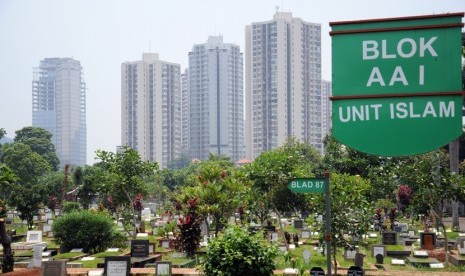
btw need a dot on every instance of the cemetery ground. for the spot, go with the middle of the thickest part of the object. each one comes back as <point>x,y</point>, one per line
<point>405,251</point>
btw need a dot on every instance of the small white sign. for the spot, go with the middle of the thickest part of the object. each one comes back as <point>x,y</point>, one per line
<point>34,236</point>
<point>88,259</point>
<point>397,262</point>
<point>438,265</point>
<point>113,249</point>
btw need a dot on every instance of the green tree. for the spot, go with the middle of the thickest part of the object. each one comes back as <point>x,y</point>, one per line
<point>238,253</point>
<point>87,180</point>
<point>125,172</point>
<point>2,133</point>
<point>219,191</point>
<point>346,217</point>
<point>7,178</point>
<point>40,141</point>
<point>25,163</point>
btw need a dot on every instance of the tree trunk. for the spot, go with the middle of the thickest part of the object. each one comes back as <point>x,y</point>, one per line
<point>5,240</point>
<point>454,167</point>
<point>335,261</point>
<point>281,228</point>
<point>446,246</point>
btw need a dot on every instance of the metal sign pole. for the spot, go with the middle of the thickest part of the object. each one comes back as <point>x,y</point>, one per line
<point>328,226</point>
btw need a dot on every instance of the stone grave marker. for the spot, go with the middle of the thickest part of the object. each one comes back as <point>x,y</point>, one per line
<point>403,227</point>
<point>163,268</point>
<point>355,271</point>
<point>117,266</point>
<point>142,235</point>
<point>88,258</point>
<point>305,234</point>
<point>95,273</point>
<point>428,240</point>
<point>274,237</point>
<point>50,234</point>
<point>373,235</point>
<point>389,238</point>
<point>10,215</point>
<point>152,248</point>
<point>397,229</point>
<point>50,221</point>
<point>47,228</point>
<point>420,254</point>
<point>298,224</point>
<point>397,262</point>
<point>411,233</point>
<point>358,261</point>
<point>34,236</point>
<point>350,254</point>
<point>153,223</point>
<point>436,265</point>
<point>36,260</point>
<point>53,268</point>
<point>48,216</point>
<point>379,259</point>
<point>113,249</point>
<point>282,247</point>
<point>306,255</point>
<point>317,271</point>
<point>77,250</point>
<point>9,222</point>
<point>139,248</point>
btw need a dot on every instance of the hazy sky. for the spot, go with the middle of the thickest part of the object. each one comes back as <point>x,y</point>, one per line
<point>103,34</point>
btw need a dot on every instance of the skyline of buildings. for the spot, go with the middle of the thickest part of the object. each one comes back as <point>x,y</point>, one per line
<point>216,101</point>
<point>59,106</point>
<point>151,108</point>
<point>283,83</point>
<point>167,115</point>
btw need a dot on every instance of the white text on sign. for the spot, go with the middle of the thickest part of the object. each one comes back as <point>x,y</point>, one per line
<point>406,48</point>
<point>400,110</point>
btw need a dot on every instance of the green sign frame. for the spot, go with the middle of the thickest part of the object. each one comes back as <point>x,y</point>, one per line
<point>397,83</point>
<point>307,185</point>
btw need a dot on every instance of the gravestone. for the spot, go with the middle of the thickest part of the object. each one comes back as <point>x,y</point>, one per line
<point>36,260</point>
<point>397,262</point>
<point>389,238</point>
<point>420,254</point>
<point>317,271</point>
<point>117,266</point>
<point>306,255</point>
<point>379,259</point>
<point>153,223</point>
<point>298,224</point>
<point>274,237</point>
<point>77,250</point>
<point>427,240</point>
<point>359,259</point>
<point>403,227</point>
<point>350,254</point>
<point>113,249</point>
<point>53,268</point>
<point>34,236</point>
<point>139,248</point>
<point>355,271</point>
<point>397,229</point>
<point>305,234</point>
<point>163,268</point>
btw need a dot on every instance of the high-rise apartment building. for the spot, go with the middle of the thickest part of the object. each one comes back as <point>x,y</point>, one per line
<point>283,83</point>
<point>216,112</point>
<point>59,105</point>
<point>151,108</point>
<point>326,110</point>
<point>185,112</point>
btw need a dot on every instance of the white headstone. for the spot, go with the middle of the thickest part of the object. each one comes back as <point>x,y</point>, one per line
<point>397,262</point>
<point>34,236</point>
<point>47,228</point>
<point>142,235</point>
<point>305,234</point>
<point>306,255</point>
<point>113,249</point>
<point>95,273</point>
<point>88,259</point>
<point>36,260</point>
<point>437,265</point>
<point>77,250</point>
<point>420,253</point>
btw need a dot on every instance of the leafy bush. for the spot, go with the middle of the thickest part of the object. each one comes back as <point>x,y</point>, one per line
<point>91,231</point>
<point>239,253</point>
<point>70,206</point>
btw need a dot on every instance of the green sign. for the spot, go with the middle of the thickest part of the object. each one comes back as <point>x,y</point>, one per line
<point>307,185</point>
<point>397,85</point>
